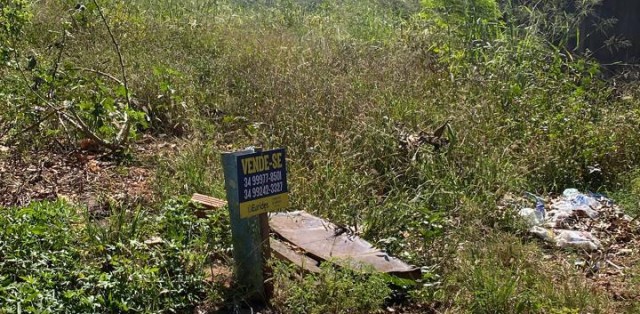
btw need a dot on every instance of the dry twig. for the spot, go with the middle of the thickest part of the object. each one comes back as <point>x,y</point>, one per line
<point>123,134</point>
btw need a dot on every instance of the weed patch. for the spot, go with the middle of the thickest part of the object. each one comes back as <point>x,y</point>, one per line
<point>54,260</point>
<point>330,291</point>
<point>341,85</point>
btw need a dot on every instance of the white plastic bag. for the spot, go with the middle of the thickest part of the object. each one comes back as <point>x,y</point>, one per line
<point>544,234</point>
<point>531,216</point>
<point>577,239</point>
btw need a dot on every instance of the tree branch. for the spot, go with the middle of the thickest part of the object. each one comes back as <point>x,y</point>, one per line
<point>105,74</point>
<point>56,65</point>
<point>123,134</point>
<point>79,124</point>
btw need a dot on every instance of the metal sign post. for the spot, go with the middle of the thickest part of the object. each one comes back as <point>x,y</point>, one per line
<point>256,183</point>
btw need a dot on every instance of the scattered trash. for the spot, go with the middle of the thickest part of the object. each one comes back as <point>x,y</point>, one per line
<point>577,239</point>
<point>544,234</point>
<point>584,221</point>
<point>567,238</point>
<point>411,142</point>
<point>155,240</point>
<point>574,202</point>
<point>532,216</point>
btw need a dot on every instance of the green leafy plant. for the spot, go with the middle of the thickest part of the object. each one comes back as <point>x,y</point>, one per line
<point>54,260</point>
<point>330,291</point>
<point>56,89</point>
<point>14,15</point>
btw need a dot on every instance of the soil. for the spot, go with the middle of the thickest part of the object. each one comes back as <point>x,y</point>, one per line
<point>80,176</point>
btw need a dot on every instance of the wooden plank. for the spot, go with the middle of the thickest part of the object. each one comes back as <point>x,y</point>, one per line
<point>208,201</point>
<point>328,242</point>
<point>283,252</point>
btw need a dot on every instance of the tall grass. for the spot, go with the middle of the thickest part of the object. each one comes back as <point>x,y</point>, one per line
<point>338,83</point>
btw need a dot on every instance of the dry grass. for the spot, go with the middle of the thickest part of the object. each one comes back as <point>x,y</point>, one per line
<point>338,84</point>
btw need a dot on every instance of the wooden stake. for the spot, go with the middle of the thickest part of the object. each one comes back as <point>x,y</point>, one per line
<point>266,254</point>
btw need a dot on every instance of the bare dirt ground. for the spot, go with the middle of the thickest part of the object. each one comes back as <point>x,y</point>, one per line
<point>77,176</point>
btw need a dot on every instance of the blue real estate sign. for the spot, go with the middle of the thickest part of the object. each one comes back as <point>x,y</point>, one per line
<point>262,182</point>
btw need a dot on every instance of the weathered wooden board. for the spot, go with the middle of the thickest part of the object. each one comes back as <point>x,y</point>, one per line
<point>328,242</point>
<point>283,252</point>
<point>208,201</point>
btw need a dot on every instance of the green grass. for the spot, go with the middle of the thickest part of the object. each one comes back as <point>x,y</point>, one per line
<point>501,274</point>
<point>336,83</point>
<point>335,291</point>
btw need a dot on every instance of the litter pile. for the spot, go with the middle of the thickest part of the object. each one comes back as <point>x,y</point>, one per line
<point>587,221</point>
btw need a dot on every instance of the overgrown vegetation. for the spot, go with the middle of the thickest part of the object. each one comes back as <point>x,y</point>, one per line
<point>330,291</point>
<point>338,83</point>
<point>55,260</point>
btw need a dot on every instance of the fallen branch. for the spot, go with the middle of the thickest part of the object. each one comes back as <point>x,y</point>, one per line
<point>614,265</point>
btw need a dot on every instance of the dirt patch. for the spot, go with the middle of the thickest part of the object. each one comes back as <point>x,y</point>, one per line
<point>77,176</point>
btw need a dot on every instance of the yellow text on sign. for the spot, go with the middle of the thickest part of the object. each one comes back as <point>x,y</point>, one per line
<point>264,205</point>
<point>261,163</point>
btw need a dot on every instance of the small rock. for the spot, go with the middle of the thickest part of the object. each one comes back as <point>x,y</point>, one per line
<point>154,241</point>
